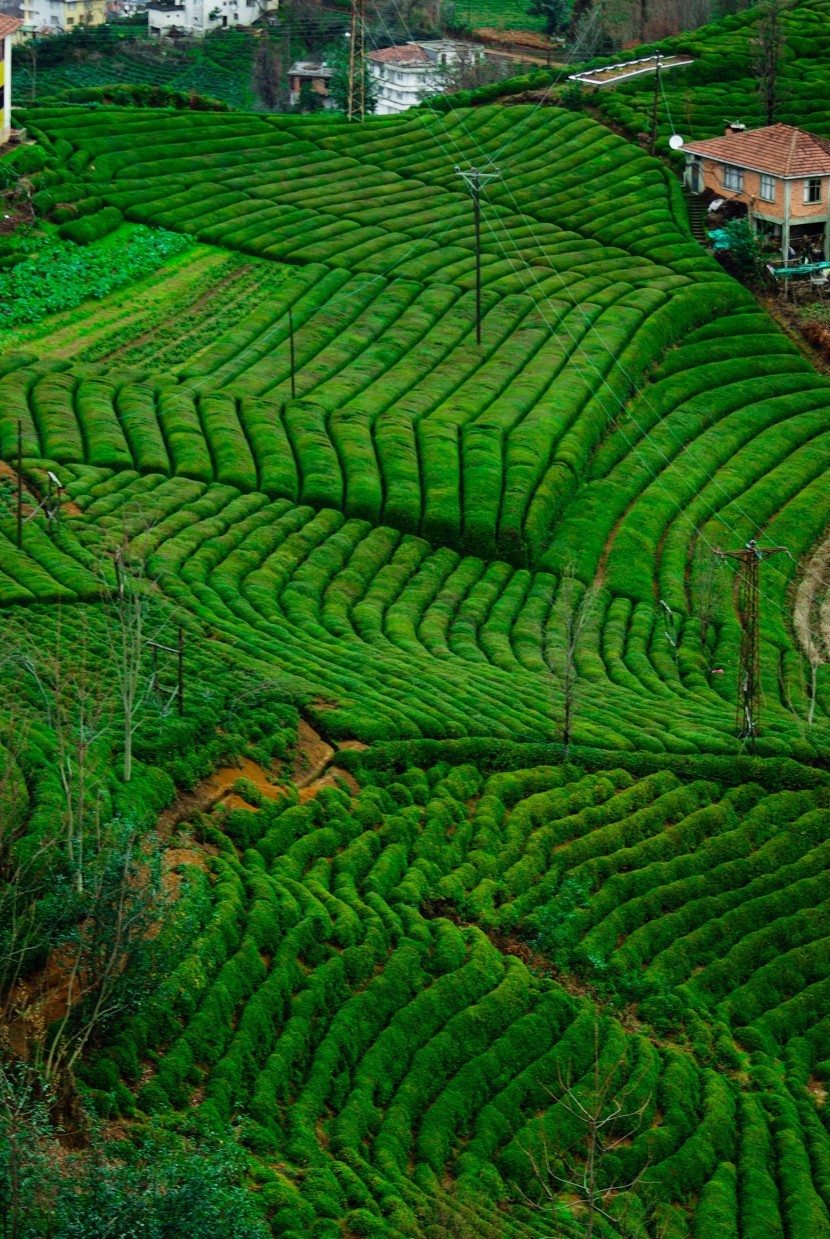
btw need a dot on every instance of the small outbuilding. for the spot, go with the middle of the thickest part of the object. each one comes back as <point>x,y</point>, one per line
<point>780,173</point>
<point>315,76</point>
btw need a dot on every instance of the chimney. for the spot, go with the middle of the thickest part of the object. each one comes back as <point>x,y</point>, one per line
<point>735,126</point>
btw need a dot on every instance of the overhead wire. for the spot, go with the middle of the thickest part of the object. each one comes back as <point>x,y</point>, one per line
<point>491,159</point>
<point>714,512</point>
<point>439,226</point>
<point>644,433</point>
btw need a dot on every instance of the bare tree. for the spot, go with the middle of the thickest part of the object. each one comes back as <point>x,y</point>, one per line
<point>811,619</point>
<point>703,591</point>
<point>24,871</point>
<point>78,706</point>
<point>470,70</point>
<point>110,952</point>
<point>130,602</point>
<point>268,75</point>
<point>768,47</point>
<point>574,611</point>
<point>580,1189</point>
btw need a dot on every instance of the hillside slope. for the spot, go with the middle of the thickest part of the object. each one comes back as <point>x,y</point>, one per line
<point>720,86</point>
<point>456,492</point>
<point>398,979</point>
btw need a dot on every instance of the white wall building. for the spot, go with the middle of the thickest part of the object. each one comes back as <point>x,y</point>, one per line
<point>197,17</point>
<point>404,75</point>
<point>9,27</point>
<point>61,16</point>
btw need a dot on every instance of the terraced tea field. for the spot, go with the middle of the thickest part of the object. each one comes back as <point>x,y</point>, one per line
<point>501,14</point>
<point>400,984</point>
<point>432,497</point>
<point>723,83</point>
<point>399,1063</point>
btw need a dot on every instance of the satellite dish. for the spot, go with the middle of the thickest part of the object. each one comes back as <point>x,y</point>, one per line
<point>675,141</point>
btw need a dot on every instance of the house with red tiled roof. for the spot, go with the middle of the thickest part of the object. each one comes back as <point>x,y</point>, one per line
<point>781,174</point>
<point>404,75</point>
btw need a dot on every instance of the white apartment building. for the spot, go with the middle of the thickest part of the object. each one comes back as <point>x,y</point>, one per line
<point>197,17</point>
<point>61,16</point>
<point>404,75</point>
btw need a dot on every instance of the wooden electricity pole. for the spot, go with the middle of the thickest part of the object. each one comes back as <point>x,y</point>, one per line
<point>655,105</point>
<point>749,612</point>
<point>474,179</point>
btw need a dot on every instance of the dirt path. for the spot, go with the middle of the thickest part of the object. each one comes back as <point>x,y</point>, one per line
<point>215,290</point>
<point>312,771</point>
<point>312,757</point>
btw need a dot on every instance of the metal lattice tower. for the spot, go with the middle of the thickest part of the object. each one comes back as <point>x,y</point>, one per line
<point>474,179</point>
<point>357,62</point>
<point>748,712</point>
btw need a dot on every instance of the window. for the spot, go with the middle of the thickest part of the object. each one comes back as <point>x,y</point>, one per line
<point>767,190</point>
<point>733,178</point>
<point>812,189</point>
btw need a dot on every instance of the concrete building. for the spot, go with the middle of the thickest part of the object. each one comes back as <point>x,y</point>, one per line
<point>781,173</point>
<point>316,75</point>
<point>9,27</point>
<point>197,17</point>
<point>62,16</point>
<point>404,75</point>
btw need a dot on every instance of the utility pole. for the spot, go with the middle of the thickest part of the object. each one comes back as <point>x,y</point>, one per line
<point>656,101</point>
<point>357,61</point>
<point>474,179</point>
<point>19,485</point>
<point>749,613</point>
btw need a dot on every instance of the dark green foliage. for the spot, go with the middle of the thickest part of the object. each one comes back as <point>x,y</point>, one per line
<point>58,276</point>
<point>92,227</point>
<point>163,1188</point>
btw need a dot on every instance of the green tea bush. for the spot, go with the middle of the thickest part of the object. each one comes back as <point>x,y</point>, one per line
<point>92,227</point>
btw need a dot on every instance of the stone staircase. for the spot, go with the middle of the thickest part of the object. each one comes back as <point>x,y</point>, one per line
<point>697,215</point>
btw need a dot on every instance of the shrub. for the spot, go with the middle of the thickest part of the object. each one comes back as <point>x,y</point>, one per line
<point>91,227</point>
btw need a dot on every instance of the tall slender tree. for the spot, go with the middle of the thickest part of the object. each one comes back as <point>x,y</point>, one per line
<point>768,47</point>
